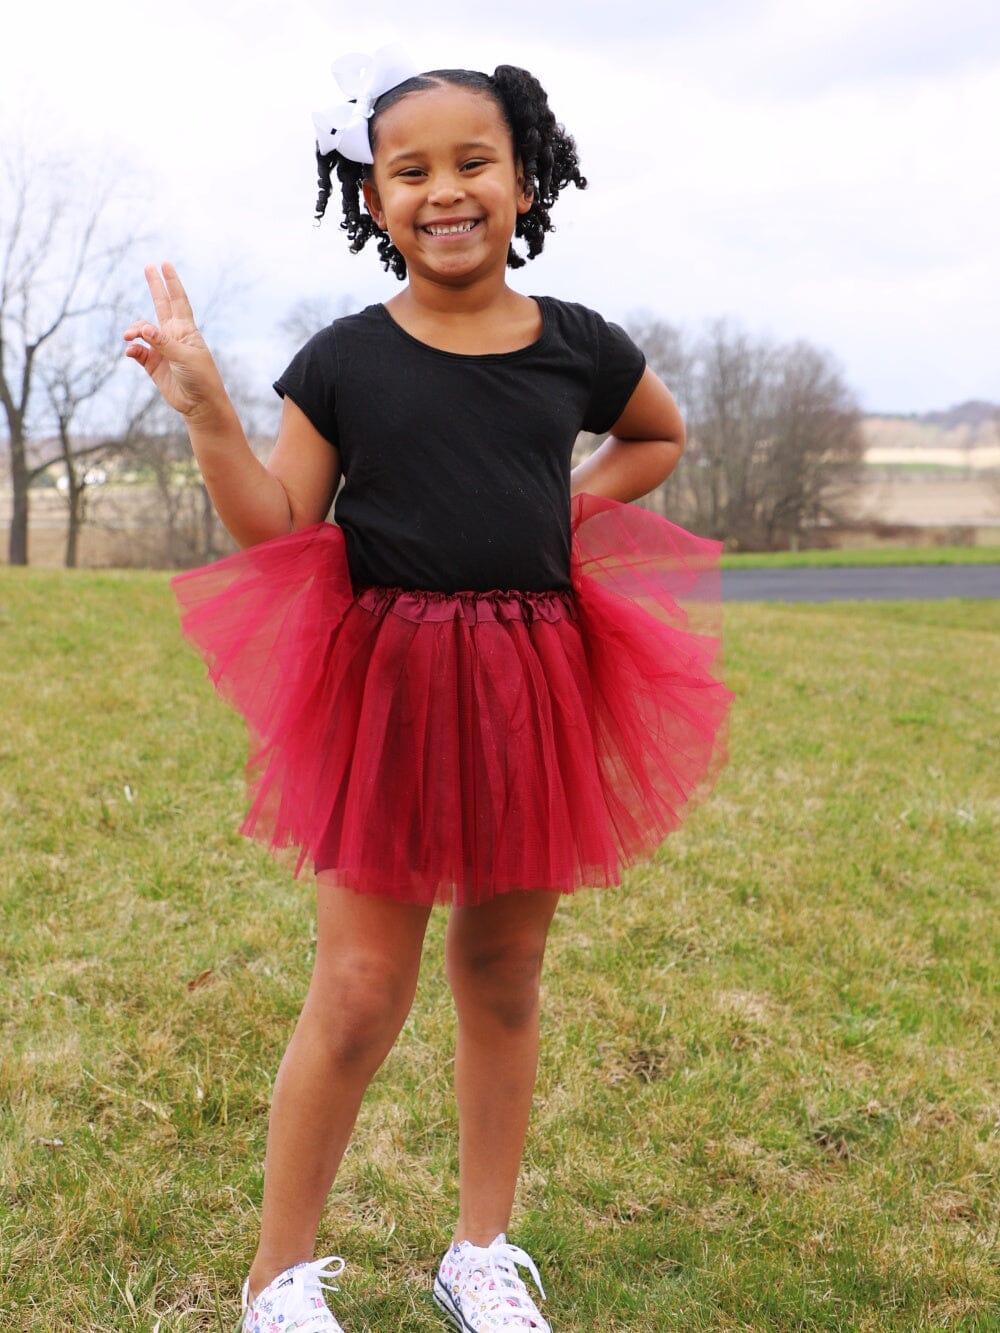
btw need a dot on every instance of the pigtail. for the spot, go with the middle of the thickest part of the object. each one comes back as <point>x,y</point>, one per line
<point>548,154</point>
<point>357,221</point>
<point>324,181</point>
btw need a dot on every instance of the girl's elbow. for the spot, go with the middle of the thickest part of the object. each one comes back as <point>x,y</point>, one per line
<point>671,453</point>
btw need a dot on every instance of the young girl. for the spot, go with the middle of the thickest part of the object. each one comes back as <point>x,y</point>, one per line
<point>472,690</point>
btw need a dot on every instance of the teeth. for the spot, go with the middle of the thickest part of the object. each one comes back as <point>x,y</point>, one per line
<point>448,231</point>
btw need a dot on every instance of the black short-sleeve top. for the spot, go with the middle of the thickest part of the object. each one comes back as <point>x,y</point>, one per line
<point>456,468</point>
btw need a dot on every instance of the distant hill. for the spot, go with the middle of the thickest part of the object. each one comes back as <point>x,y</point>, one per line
<point>975,413</point>
<point>972,428</point>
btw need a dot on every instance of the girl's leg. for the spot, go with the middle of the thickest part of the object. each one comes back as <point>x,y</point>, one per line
<point>494,957</point>
<point>364,978</point>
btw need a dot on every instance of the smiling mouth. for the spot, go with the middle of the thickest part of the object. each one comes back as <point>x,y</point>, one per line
<point>450,228</point>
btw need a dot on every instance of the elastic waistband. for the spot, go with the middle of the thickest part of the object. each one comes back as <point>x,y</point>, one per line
<point>471,607</point>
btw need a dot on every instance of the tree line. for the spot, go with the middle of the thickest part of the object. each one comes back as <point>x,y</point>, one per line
<point>774,440</point>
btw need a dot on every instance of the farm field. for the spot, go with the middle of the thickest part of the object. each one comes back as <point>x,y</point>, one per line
<point>769,1096</point>
<point>924,494</point>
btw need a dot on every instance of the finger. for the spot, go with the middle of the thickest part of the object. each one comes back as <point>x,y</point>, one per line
<point>179,302</point>
<point>146,357</point>
<point>158,291</point>
<point>147,332</point>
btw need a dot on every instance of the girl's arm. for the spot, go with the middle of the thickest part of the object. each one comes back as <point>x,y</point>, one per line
<point>254,501</point>
<point>644,446</point>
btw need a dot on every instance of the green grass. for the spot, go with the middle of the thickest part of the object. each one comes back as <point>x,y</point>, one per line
<point>872,555</point>
<point>769,1093</point>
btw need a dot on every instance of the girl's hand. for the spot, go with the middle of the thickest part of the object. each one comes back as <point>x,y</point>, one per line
<point>175,355</point>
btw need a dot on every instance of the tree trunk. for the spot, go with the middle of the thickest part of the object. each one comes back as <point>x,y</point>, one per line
<point>74,523</point>
<point>75,489</point>
<point>17,552</point>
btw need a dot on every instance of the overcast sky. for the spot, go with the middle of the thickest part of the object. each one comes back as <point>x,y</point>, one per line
<point>809,169</point>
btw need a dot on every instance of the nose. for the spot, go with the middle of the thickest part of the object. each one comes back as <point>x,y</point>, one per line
<point>446,188</point>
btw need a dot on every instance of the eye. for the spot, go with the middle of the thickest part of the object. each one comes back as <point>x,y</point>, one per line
<point>473,163</point>
<point>411,173</point>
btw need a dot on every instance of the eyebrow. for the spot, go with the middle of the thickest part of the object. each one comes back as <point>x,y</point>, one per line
<point>461,147</point>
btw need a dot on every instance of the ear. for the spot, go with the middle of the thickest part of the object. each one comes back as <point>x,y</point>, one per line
<point>373,203</point>
<point>525,190</point>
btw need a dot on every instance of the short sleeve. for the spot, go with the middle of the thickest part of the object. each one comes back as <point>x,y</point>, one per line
<point>620,365</point>
<point>310,381</point>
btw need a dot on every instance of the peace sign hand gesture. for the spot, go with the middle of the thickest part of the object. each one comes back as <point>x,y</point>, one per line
<point>173,353</point>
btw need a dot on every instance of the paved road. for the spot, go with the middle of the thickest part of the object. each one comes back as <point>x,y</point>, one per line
<point>885,583</point>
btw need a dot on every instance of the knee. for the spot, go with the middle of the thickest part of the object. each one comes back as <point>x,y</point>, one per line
<point>501,979</point>
<point>360,1004</point>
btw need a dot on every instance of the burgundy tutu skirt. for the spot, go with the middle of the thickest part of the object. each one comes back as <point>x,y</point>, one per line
<point>429,746</point>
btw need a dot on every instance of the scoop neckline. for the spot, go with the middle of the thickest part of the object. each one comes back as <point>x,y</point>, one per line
<point>472,356</point>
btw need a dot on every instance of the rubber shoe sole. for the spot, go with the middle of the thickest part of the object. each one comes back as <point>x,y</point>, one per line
<point>444,1302</point>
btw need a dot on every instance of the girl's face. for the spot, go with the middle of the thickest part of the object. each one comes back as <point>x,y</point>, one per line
<point>446,186</point>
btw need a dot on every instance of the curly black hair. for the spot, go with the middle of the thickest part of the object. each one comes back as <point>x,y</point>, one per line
<point>546,152</point>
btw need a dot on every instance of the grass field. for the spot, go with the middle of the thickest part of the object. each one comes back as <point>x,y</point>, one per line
<point>770,1095</point>
<point>871,555</point>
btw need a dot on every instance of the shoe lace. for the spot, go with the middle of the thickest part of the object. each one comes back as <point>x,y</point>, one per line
<point>314,1272</point>
<point>310,1275</point>
<point>496,1280</point>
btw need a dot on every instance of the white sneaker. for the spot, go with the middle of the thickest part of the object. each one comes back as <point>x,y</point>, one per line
<point>293,1302</point>
<point>480,1292</point>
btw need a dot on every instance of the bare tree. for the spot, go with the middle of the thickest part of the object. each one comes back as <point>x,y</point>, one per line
<point>814,451</point>
<point>667,354</point>
<point>178,520</point>
<point>169,514</point>
<point>774,440</point>
<point>312,313</point>
<point>61,258</point>
<point>728,426</point>
<point>74,377</point>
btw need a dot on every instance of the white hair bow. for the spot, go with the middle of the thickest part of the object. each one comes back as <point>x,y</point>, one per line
<point>363,80</point>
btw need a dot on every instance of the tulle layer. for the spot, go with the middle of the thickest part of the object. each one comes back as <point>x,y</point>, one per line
<point>431,746</point>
